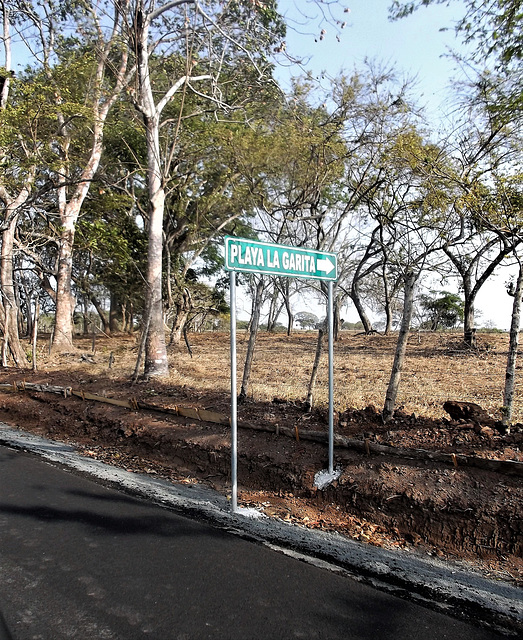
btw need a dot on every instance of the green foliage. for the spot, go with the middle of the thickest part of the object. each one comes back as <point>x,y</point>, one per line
<point>443,310</point>
<point>497,205</point>
<point>28,126</point>
<point>306,320</point>
<point>259,19</point>
<point>110,249</point>
<point>353,326</point>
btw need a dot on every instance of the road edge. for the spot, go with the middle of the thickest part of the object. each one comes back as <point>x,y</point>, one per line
<point>447,587</point>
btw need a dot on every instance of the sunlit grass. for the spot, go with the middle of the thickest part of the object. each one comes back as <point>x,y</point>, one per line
<point>437,368</point>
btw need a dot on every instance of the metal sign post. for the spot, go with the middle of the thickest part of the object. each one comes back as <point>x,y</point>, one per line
<point>276,259</point>
<point>234,398</point>
<point>330,322</point>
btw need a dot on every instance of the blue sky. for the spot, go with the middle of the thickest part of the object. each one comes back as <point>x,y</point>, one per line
<point>419,47</point>
<point>416,44</point>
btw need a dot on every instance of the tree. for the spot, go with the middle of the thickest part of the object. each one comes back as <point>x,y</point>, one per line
<point>306,319</point>
<point>20,146</point>
<point>510,372</point>
<point>401,346</point>
<point>109,258</point>
<point>83,74</point>
<point>203,36</point>
<point>257,283</point>
<point>375,112</point>
<point>443,310</point>
<point>211,191</point>
<point>484,152</point>
<point>413,208</point>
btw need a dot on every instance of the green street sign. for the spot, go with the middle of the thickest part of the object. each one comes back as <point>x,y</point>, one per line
<point>279,259</point>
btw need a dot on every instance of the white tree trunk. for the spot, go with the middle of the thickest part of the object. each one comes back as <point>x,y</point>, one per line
<point>156,363</point>
<point>70,207</point>
<point>9,305</point>
<point>6,39</point>
<point>510,375</point>
<point>401,347</point>
<point>254,326</point>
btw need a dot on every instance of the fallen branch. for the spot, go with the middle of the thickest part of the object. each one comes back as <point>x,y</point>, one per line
<point>510,467</point>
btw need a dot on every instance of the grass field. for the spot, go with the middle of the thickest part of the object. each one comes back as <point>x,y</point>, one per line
<point>438,367</point>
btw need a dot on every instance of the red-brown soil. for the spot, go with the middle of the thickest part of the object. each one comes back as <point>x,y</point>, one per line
<point>386,498</point>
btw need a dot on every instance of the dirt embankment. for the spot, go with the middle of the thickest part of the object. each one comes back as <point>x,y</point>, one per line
<point>389,493</point>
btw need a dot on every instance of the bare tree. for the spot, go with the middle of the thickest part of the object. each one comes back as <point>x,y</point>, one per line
<point>484,149</point>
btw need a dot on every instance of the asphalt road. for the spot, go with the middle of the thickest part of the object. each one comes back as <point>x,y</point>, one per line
<point>80,560</point>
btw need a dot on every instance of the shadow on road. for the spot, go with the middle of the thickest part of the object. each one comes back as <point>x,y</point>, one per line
<point>4,631</point>
<point>102,522</point>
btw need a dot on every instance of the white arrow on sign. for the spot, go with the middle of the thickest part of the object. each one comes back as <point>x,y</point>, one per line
<point>325,264</point>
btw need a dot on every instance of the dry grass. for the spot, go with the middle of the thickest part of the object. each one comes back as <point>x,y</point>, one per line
<point>437,368</point>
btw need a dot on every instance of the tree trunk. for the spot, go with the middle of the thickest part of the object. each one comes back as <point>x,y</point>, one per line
<point>510,374</point>
<point>388,302</point>
<point>27,306</point>
<point>69,213</point>
<point>288,308</point>
<point>96,304</point>
<point>127,317</point>
<point>178,324</point>
<point>314,373</point>
<point>183,308</point>
<point>130,319</point>
<point>401,346</point>
<point>255,323</point>
<point>34,334</point>
<point>271,326</point>
<point>469,268</point>
<point>469,331</point>
<point>9,303</point>
<point>6,23</point>
<point>85,315</point>
<point>274,310</point>
<point>388,319</point>
<point>290,322</point>
<point>29,331</point>
<point>336,320</point>
<point>156,363</point>
<point>115,313</point>
<point>356,299</point>
<point>18,302</point>
<point>65,301</point>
